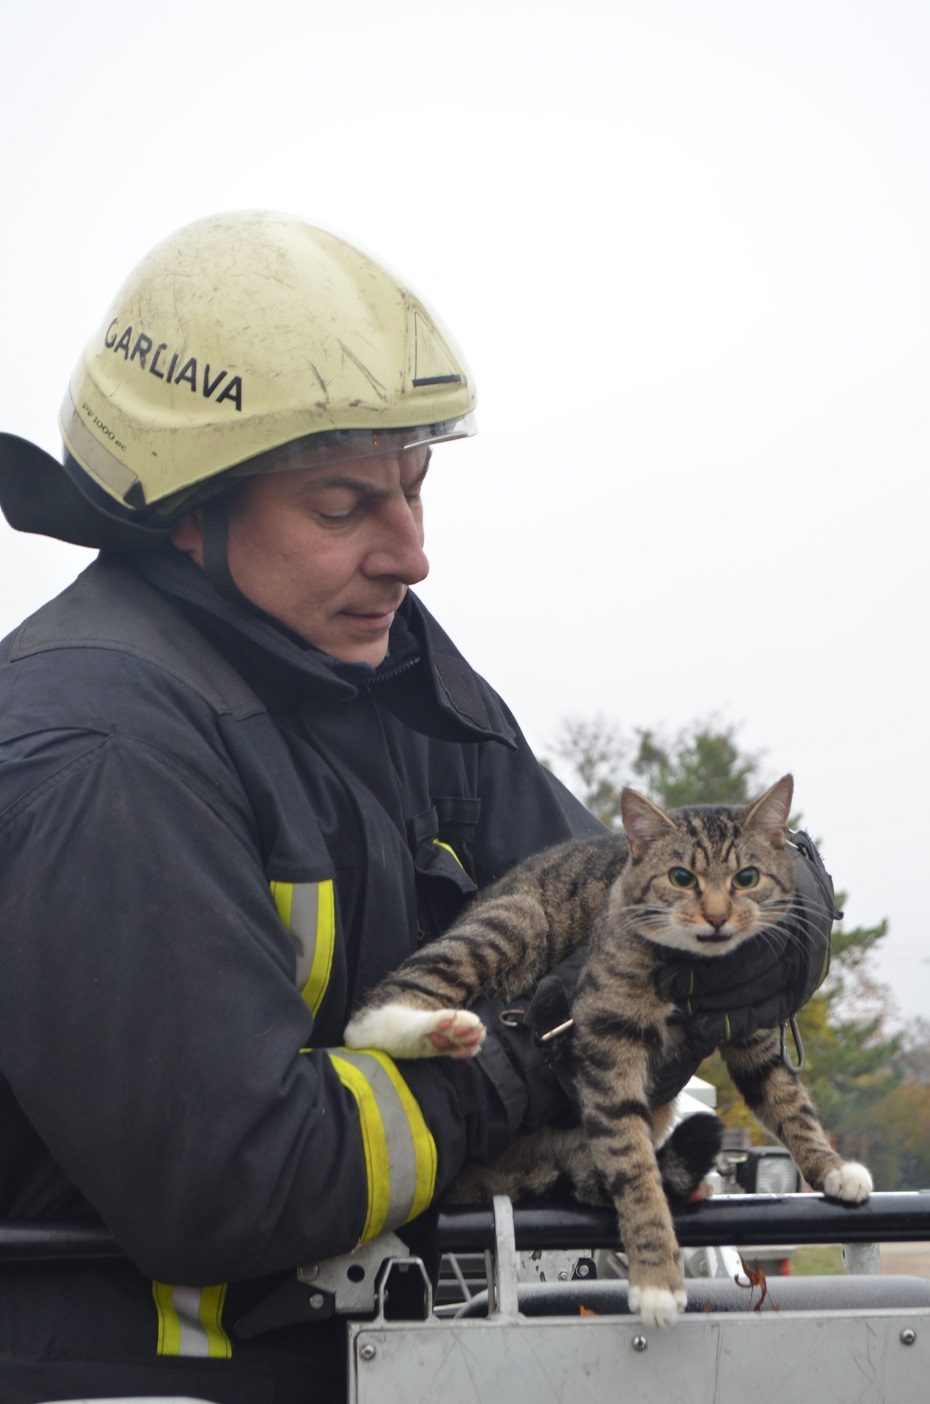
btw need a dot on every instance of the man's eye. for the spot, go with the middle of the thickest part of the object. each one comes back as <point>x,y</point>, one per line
<point>336,517</point>
<point>336,510</point>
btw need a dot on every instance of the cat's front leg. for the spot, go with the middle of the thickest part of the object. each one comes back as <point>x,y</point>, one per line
<point>404,1032</point>
<point>776,1096</point>
<point>657,1289</point>
<point>848,1181</point>
<point>612,1081</point>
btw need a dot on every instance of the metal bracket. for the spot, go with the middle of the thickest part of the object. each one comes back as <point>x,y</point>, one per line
<point>351,1279</point>
<point>404,1291</point>
<point>502,1263</point>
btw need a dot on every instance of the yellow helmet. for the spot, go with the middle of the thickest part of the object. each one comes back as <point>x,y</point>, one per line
<point>235,336</point>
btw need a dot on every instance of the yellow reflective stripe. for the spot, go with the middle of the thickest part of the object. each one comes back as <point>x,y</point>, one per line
<point>424,1147</point>
<point>190,1321</point>
<point>439,844</point>
<point>399,1148</point>
<point>169,1327</point>
<point>322,963</point>
<point>212,1301</point>
<point>283,894</point>
<point>374,1143</point>
<point>308,911</point>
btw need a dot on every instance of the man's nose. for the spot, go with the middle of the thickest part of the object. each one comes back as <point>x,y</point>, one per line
<point>397,550</point>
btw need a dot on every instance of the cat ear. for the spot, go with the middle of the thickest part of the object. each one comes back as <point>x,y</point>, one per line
<point>643,822</point>
<point>770,813</point>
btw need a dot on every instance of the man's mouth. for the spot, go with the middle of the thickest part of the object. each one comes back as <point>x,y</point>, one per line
<point>373,617</point>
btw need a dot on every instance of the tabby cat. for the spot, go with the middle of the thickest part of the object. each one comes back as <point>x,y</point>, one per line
<point>701,880</point>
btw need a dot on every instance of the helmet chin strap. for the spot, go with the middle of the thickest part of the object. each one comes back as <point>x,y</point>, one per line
<point>215,518</point>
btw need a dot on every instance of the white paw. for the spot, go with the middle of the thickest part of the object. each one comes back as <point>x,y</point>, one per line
<point>417,1033</point>
<point>658,1306</point>
<point>851,1182</point>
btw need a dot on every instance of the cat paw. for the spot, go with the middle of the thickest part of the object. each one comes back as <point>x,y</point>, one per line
<point>658,1306</point>
<point>416,1033</point>
<point>457,1033</point>
<point>850,1182</point>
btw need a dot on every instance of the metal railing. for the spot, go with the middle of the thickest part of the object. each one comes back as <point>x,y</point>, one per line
<point>731,1219</point>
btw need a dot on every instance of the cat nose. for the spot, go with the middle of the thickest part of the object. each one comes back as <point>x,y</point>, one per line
<point>716,919</point>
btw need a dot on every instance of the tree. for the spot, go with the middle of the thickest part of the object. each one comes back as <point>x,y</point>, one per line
<point>596,755</point>
<point>701,767</point>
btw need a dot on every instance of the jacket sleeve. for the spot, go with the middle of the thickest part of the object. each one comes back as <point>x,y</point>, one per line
<point>152,1032</point>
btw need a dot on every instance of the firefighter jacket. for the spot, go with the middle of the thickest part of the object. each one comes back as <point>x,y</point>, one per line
<point>215,840</point>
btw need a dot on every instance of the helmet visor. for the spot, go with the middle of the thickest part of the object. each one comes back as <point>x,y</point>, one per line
<point>331,449</point>
<point>348,445</point>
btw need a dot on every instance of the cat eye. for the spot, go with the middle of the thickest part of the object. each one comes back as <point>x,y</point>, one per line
<point>746,877</point>
<point>682,877</point>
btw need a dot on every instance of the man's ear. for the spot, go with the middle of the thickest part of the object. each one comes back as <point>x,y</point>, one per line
<point>187,535</point>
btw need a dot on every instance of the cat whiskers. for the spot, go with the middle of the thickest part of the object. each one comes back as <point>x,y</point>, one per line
<point>637,914</point>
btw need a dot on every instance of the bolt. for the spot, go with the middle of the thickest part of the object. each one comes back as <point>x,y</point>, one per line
<point>640,1343</point>
<point>563,1276</point>
<point>584,1269</point>
<point>908,1336</point>
<point>367,1351</point>
<point>317,1302</point>
<point>309,1272</point>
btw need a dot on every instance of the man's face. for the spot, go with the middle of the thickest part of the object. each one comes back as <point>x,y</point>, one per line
<point>328,550</point>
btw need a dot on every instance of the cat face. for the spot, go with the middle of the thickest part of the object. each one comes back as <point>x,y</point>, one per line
<point>704,878</point>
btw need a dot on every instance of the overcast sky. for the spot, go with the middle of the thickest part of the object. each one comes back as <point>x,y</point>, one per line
<point>685,246</point>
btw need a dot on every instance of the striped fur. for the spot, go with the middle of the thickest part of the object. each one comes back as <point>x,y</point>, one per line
<point>700,880</point>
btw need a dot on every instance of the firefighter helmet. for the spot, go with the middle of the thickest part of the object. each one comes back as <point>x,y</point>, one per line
<point>235,337</point>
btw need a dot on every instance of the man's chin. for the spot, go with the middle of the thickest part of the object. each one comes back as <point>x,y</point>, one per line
<point>372,653</point>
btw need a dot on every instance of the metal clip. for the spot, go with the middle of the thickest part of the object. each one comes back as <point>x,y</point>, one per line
<point>554,1033</point>
<point>798,1046</point>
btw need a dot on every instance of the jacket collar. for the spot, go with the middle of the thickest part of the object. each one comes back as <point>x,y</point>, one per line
<point>424,681</point>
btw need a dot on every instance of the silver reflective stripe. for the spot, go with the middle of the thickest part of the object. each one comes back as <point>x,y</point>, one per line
<point>308,911</point>
<point>400,1153</point>
<point>190,1321</point>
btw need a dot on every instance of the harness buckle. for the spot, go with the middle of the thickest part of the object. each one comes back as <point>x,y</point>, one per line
<point>798,1046</point>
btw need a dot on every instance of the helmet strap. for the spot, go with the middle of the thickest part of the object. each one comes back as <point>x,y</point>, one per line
<point>215,518</point>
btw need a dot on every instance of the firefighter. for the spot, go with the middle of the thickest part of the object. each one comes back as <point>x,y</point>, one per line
<point>244,772</point>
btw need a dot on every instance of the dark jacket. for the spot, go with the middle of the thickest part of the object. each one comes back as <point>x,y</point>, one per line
<point>214,841</point>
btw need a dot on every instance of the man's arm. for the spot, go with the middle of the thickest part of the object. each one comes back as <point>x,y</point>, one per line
<point>152,1032</point>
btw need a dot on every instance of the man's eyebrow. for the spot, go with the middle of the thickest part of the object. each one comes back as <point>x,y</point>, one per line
<point>342,480</point>
<point>361,485</point>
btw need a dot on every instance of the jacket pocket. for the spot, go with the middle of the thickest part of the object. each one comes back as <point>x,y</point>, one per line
<point>443,839</point>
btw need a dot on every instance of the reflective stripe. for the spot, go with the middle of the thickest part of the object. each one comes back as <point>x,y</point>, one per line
<point>439,844</point>
<point>190,1321</point>
<point>308,911</point>
<point>400,1153</point>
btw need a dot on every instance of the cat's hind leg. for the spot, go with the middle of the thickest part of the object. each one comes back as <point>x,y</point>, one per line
<point>416,1033</point>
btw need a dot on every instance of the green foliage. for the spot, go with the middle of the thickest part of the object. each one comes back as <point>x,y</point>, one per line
<point>703,767</point>
<point>865,1081</point>
<point>817,1260</point>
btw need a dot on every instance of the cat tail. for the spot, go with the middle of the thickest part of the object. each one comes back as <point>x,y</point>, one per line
<point>688,1155</point>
